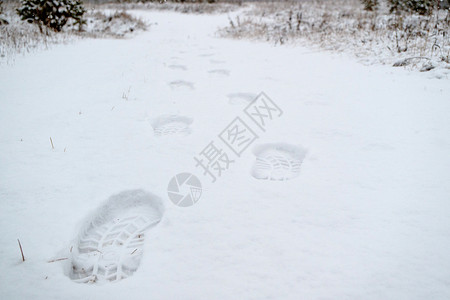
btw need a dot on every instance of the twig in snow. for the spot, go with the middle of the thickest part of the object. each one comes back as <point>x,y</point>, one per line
<point>51,141</point>
<point>126,94</point>
<point>231,22</point>
<point>299,20</point>
<point>21,250</point>
<point>57,259</point>
<point>290,20</point>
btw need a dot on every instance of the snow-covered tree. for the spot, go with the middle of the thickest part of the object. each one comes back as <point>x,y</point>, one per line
<point>51,13</point>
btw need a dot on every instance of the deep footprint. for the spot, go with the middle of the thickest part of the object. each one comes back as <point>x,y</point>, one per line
<point>172,125</point>
<point>110,246</point>
<point>181,85</point>
<point>277,161</point>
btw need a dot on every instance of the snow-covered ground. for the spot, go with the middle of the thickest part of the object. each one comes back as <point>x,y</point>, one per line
<point>366,216</point>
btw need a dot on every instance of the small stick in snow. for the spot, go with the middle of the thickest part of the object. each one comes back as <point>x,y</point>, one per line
<point>51,141</point>
<point>57,259</point>
<point>133,251</point>
<point>126,94</point>
<point>21,251</point>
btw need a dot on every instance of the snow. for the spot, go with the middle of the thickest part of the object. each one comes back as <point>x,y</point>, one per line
<point>365,218</point>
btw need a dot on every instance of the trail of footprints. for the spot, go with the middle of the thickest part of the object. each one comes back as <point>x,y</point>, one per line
<point>278,162</point>
<point>187,85</point>
<point>110,247</point>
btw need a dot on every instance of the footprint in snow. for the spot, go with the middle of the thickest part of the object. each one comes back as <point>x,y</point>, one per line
<point>241,98</point>
<point>178,67</point>
<point>110,246</point>
<point>216,61</point>
<point>181,85</point>
<point>277,161</point>
<point>220,72</point>
<point>171,125</point>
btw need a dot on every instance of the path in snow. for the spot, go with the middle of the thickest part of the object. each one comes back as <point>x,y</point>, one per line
<point>364,214</point>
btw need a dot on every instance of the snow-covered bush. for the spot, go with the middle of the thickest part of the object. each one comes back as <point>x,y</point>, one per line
<point>117,24</point>
<point>3,21</point>
<point>186,7</point>
<point>20,37</point>
<point>51,13</point>
<point>370,5</point>
<point>422,7</point>
<point>341,25</point>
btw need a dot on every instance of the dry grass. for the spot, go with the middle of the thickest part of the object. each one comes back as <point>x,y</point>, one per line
<point>342,25</point>
<point>186,7</point>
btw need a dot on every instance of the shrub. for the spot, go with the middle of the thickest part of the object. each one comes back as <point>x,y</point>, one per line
<point>3,21</point>
<point>51,13</point>
<point>370,5</point>
<point>422,7</point>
